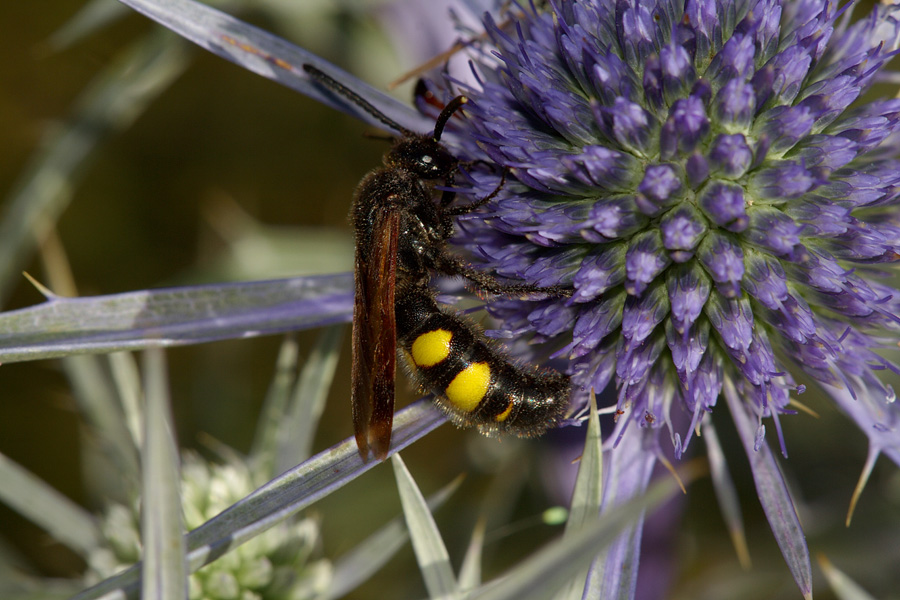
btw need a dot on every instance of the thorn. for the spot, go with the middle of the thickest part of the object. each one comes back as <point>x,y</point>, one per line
<point>44,290</point>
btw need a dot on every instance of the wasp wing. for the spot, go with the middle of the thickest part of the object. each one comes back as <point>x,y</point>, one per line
<point>375,335</point>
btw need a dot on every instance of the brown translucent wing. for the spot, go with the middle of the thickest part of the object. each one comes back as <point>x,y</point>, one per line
<point>375,336</point>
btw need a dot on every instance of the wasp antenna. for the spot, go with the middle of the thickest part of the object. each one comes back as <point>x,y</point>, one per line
<point>335,86</point>
<point>452,106</point>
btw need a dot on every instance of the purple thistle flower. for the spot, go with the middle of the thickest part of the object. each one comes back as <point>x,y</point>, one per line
<point>707,180</point>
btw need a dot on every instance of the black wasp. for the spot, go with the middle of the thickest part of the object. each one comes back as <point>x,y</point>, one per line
<point>401,238</point>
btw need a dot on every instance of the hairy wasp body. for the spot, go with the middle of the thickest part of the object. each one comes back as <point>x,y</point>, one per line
<point>401,240</point>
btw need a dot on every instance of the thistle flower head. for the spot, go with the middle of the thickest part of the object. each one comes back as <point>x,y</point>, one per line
<point>708,180</point>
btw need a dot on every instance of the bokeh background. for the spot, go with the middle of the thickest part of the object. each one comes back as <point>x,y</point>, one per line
<point>218,179</point>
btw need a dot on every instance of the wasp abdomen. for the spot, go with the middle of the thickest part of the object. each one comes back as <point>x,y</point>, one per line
<point>474,383</point>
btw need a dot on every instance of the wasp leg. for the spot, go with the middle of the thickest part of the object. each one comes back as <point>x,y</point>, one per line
<point>451,265</point>
<point>467,208</point>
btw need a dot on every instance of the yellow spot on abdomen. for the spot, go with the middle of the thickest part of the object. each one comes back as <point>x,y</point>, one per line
<point>431,348</point>
<point>503,416</point>
<point>469,387</point>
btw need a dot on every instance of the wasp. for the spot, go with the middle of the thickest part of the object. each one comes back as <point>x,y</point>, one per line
<point>401,229</point>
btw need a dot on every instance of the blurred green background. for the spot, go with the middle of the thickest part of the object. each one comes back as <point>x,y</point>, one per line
<point>175,199</point>
<point>156,206</point>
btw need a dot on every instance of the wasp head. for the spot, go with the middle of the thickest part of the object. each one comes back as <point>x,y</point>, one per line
<point>423,156</point>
